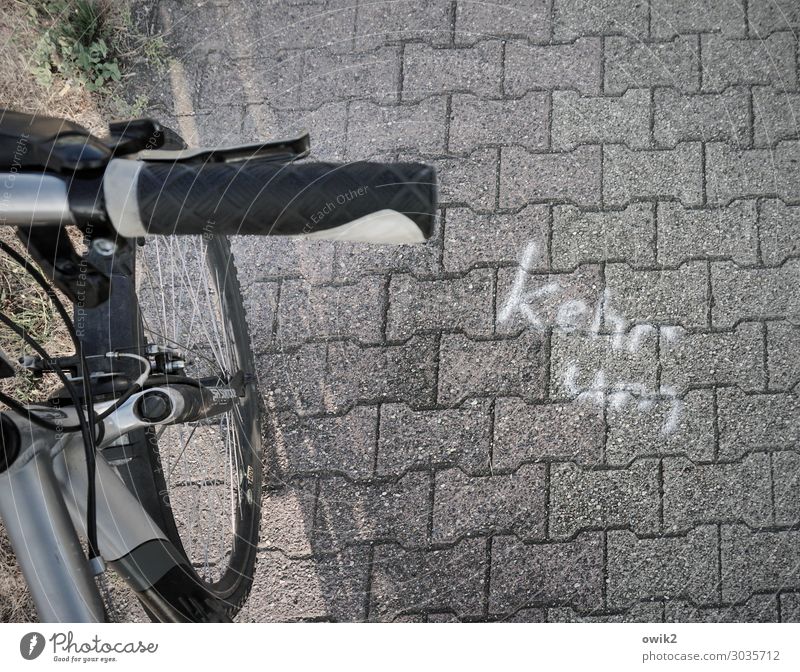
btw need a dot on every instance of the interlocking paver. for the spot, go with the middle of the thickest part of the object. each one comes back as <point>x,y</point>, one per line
<point>352,260</point>
<point>564,573</point>
<point>777,115</point>
<point>580,120</point>
<point>756,421</point>
<point>343,443</point>
<point>557,66</point>
<point>755,293</point>
<point>470,181</point>
<point>456,436</point>
<point>439,305</point>
<point>669,173</point>
<point>790,607</point>
<point>589,499</point>
<point>283,381</point>
<point>572,176</point>
<point>512,366</point>
<point>287,518</point>
<point>766,17</point>
<point>786,478</point>
<point>779,231</point>
<point>472,239</point>
<point>668,18</point>
<point>479,504</point>
<point>768,61</point>
<point>713,493</point>
<point>558,431</point>
<point>348,513</point>
<point>733,173</point>
<point>450,579</point>
<point>274,257</point>
<point>632,64</point>
<point>679,117</point>
<point>308,311</point>
<point>428,70</point>
<point>392,22</point>
<point>727,232</point>
<point>637,613</point>
<point>758,609</point>
<point>616,235</point>
<point>682,567</point>
<point>783,344</point>
<point>757,561</point>
<point>727,358</point>
<point>475,122</point>
<point>658,297</point>
<point>522,18</point>
<point>573,18</point>
<point>261,304</point>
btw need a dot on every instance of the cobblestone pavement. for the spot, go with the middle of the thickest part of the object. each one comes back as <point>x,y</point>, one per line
<point>578,402</point>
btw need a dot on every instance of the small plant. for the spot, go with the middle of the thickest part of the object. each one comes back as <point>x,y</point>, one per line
<point>78,45</point>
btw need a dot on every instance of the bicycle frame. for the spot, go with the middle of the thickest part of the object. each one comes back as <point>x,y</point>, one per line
<point>42,504</point>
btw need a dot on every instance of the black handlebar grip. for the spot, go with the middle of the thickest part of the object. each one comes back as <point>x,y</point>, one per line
<point>270,198</point>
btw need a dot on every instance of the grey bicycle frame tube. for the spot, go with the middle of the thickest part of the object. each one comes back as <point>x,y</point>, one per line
<point>43,507</point>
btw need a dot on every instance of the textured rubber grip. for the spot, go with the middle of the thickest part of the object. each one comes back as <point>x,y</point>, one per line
<point>268,198</point>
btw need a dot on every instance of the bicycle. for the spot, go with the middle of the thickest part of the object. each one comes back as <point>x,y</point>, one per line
<point>151,450</point>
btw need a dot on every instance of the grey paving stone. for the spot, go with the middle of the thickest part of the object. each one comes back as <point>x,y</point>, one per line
<point>465,505</point>
<point>573,18</point>
<point>353,260</point>
<point>758,609</point>
<point>392,22</point>
<point>565,574</point>
<point>564,301</point>
<point>586,499</point>
<point>727,358</point>
<point>711,116</point>
<point>752,422</point>
<point>377,130</point>
<point>657,297</point>
<point>397,373</point>
<point>472,239</point>
<point>766,61</point>
<point>660,425</point>
<point>557,66</point>
<point>267,258</point>
<point>757,561</point>
<point>428,70</point>
<point>285,382</point>
<point>662,568</point>
<point>470,368</point>
<point>475,122</point>
<point>573,176</point>
<point>766,17</point>
<point>675,173</point>
<point>790,607</point>
<point>309,312</point>
<point>344,444</point>
<point>559,431</point>
<point>351,513</point>
<point>587,367</point>
<point>331,588</point>
<point>728,232</point>
<point>470,181</point>
<point>648,612</point>
<point>786,478</point>
<point>456,436</point>
<point>615,235</point>
<point>260,305</point>
<point>749,293</point>
<point>713,493</point>
<point>779,231</point>
<point>529,19</point>
<point>298,26</point>
<point>526,616</point>
<point>451,579</point>
<point>668,19</point>
<point>731,173</point>
<point>777,115</point>
<point>458,304</point>
<point>579,120</point>
<point>287,518</point>
<point>632,64</point>
<point>443,618</point>
<point>326,126</point>
<point>783,344</point>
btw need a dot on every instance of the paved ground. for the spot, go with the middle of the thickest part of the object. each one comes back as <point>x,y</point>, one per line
<point>577,402</point>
